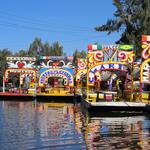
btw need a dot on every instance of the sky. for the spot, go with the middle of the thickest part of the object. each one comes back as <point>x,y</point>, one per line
<point>71,22</point>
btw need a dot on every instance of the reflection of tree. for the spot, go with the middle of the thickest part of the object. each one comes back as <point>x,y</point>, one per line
<point>78,119</point>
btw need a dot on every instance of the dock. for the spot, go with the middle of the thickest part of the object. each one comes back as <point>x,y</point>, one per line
<point>116,106</point>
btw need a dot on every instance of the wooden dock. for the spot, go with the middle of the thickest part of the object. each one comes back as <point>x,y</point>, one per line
<point>116,106</point>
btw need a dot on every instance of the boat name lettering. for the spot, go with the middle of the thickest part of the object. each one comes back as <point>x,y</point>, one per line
<point>56,73</point>
<point>104,67</point>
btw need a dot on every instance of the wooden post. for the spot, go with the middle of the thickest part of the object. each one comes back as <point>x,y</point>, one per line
<point>132,82</point>
<point>98,90</point>
<point>141,91</point>
<point>20,83</point>
<point>3,85</point>
<point>97,97</point>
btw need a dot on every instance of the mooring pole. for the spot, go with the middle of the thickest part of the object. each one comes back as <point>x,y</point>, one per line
<point>3,85</point>
<point>98,90</point>
<point>97,98</point>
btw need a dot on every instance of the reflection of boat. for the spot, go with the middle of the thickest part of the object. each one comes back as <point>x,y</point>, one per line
<point>55,104</point>
<point>116,106</point>
<point>117,133</point>
<point>120,119</point>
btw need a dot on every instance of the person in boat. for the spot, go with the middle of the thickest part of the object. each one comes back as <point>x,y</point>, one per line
<point>27,83</point>
<point>122,86</point>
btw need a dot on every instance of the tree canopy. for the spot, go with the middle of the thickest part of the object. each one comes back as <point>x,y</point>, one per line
<point>37,48</point>
<point>132,19</point>
<point>77,55</point>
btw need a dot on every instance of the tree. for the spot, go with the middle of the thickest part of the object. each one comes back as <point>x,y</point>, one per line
<point>132,18</point>
<point>57,49</point>
<point>22,53</point>
<point>35,47</point>
<point>46,49</point>
<point>77,55</point>
<point>3,54</point>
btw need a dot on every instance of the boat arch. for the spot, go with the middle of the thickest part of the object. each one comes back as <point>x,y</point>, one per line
<point>65,74</point>
<point>104,66</point>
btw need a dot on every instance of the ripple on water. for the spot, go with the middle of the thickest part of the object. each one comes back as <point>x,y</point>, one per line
<point>119,133</point>
<point>26,125</point>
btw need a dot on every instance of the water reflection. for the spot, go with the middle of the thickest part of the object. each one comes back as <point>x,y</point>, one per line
<point>25,125</point>
<point>29,125</point>
<point>118,133</point>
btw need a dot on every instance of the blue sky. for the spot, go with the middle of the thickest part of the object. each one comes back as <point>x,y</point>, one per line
<point>71,22</point>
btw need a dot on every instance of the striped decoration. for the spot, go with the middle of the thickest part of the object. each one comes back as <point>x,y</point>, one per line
<point>110,47</point>
<point>70,58</point>
<point>21,58</point>
<point>145,38</point>
<point>94,47</point>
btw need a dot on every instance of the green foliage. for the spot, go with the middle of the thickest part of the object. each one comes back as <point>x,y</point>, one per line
<point>3,54</point>
<point>21,53</point>
<point>37,48</point>
<point>77,55</point>
<point>132,18</point>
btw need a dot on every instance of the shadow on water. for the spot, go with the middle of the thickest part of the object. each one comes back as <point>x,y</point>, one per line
<point>116,114</point>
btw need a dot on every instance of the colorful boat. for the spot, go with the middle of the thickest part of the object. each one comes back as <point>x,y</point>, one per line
<point>111,81</point>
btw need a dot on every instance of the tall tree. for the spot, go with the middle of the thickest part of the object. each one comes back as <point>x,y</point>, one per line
<point>46,49</point>
<point>77,55</point>
<point>21,53</point>
<point>36,47</point>
<point>39,48</point>
<point>132,18</point>
<point>3,54</point>
<point>57,49</point>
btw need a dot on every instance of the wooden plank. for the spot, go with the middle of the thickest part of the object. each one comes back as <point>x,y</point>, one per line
<point>118,104</point>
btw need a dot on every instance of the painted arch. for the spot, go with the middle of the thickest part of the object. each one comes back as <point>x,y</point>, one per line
<point>104,67</point>
<point>22,72</point>
<point>65,74</point>
<point>80,74</point>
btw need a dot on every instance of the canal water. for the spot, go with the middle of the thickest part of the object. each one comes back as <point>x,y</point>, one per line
<point>61,126</point>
